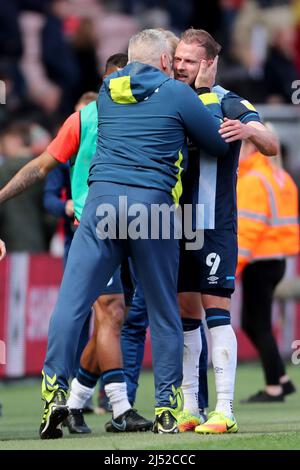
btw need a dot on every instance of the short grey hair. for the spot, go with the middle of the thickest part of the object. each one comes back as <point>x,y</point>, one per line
<point>148,46</point>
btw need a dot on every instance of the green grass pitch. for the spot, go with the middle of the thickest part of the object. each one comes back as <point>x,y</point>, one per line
<point>271,426</point>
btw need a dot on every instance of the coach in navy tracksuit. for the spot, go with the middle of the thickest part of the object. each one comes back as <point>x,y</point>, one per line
<point>144,117</point>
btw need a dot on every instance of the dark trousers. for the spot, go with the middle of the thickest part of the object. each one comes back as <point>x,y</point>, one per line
<point>259,281</point>
<point>133,345</point>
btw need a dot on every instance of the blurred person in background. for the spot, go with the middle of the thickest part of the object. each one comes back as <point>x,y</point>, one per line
<point>22,220</point>
<point>10,36</point>
<point>84,44</point>
<point>280,68</point>
<point>39,138</point>
<point>58,57</point>
<point>11,47</point>
<point>229,12</point>
<point>296,7</point>
<point>42,92</point>
<point>268,232</point>
<point>57,191</point>
<point>253,30</point>
<point>58,202</point>
<point>50,53</point>
<point>111,27</point>
<point>48,63</point>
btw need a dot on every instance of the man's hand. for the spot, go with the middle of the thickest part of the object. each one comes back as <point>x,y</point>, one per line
<point>2,250</point>
<point>207,73</point>
<point>232,130</point>
<point>69,208</point>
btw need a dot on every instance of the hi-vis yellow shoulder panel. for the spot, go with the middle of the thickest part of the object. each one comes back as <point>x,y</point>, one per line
<point>120,90</point>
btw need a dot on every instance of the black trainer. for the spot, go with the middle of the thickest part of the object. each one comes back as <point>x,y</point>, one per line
<point>288,388</point>
<point>165,423</point>
<point>130,421</point>
<point>263,397</point>
<point>55,412</point>
<point>75,422</point>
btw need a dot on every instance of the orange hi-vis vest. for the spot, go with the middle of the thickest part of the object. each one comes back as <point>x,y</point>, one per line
<point>268,224</point>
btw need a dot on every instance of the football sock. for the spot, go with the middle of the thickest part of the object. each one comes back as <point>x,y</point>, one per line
<point>117,394</point>
<point>116,389</point>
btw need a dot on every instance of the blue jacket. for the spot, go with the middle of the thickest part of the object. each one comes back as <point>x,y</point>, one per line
<point>144,117</point>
